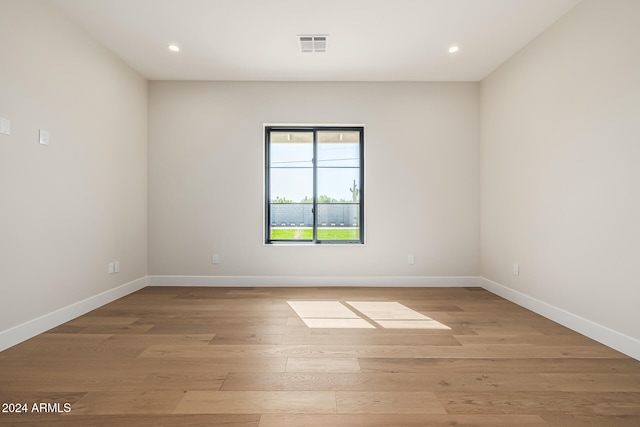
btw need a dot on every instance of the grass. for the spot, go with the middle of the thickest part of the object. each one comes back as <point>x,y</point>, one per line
<point>323,234</point>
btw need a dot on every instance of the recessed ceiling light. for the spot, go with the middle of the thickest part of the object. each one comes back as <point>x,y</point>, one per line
<point>454,49</point>
<point>174,47</point>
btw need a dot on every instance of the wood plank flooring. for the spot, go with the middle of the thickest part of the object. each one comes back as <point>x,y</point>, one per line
<point>167,356</point>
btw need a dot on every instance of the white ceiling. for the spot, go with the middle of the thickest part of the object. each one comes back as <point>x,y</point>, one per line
<point>369,40</point>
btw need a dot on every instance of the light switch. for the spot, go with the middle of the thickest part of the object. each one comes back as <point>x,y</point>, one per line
<point>5,126</point>
<point>44,137</point>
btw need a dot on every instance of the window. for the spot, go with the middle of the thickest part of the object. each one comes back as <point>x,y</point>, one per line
<point>314,184</point>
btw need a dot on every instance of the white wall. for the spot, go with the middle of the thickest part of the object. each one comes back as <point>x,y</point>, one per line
<point>206,149</point>
<point>560,167</point>
<point>69,208</point>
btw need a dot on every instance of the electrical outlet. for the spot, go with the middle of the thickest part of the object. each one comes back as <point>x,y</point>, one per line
<point>215,259</point>
<point>116,266</point>
<point>516,270</point>
<point>44,137</point>
<point>111,267</point>
<point>411,260</point>
<point>5,126</point>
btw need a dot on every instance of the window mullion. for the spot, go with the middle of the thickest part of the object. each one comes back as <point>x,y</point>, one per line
<point>314,163</point>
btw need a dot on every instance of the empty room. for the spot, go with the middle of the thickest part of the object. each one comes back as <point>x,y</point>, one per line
<point>301,213</point>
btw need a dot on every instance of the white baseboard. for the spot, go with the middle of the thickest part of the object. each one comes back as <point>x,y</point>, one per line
<point>623,343</point>
<point>31,328</point>
<point>314,281</point>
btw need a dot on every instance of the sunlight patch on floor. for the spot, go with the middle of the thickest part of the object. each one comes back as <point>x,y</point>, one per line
<point>328,314</point>
<point>322,309</point>
<point>386,310</point>
<point>387,314</point>
<point>338,323</point>
<point>411,324</point>
<point>393,315</point>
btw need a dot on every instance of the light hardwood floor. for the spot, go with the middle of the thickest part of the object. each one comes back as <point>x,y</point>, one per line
<point>242,357</point>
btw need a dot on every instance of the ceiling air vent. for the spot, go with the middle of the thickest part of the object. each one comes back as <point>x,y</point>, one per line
<point>313,43</point>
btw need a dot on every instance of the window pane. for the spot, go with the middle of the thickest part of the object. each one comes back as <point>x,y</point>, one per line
<point>291,221</point>
<point>338,204</point>
<point>339,221</point>
<point>338,149</point>
<point>338,185</point>
<point>291,185</point>
<point>291,208</point>
<point>291,149</point>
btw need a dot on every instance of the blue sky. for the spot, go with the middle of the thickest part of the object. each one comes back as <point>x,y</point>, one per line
<point>292,170</point>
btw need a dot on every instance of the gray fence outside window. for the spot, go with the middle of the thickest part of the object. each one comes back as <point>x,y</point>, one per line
<point>329,215</point>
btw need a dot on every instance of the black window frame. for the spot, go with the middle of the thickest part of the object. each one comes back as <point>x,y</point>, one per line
<point>267,167</point>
